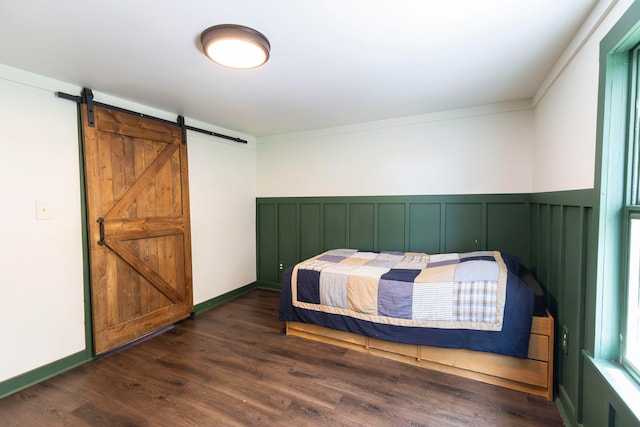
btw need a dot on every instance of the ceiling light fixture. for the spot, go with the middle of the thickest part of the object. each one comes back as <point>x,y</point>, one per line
<point>235,46</point>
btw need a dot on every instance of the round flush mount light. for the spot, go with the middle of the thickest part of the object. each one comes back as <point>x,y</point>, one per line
<point>235,46</point>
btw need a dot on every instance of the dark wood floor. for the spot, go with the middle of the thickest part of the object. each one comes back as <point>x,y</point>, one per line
<point>232,366</point>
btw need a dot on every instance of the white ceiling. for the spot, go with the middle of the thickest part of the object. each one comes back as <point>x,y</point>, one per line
<point>333,62</point>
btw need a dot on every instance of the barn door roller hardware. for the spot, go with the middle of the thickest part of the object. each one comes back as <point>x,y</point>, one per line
<point>87,98</point>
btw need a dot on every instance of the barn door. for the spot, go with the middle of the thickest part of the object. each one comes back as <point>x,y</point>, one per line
<point>139,233</point>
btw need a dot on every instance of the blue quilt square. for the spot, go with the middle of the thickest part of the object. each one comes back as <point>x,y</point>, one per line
<point>332,258</point>
<point>309,286</point>
<point>395,298</point>
<point>401,275</point>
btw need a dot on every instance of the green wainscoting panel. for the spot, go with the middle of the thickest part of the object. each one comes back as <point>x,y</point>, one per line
<point>555,250</point>
<point>266,231</point>
<point>287,236</point>
<point>362,226</point>
<point>334,226</point>
<point>392,219</point>
<point>509,228</point>
<point>310,230</point>
<point>463,227</point>
<point>425,227</point>
<point>573,286</point>
<point>539,240</point>
<point>596,400</point>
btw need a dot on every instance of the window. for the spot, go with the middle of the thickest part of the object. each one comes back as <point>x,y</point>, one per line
<point>616,322</point>
<point>630,355</point>
<point>631,347</point>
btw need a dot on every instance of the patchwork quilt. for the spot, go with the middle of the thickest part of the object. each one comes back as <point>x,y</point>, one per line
<point>461,291</point>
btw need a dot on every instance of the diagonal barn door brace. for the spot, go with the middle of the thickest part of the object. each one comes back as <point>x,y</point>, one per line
<point>136,263</point>
<point>134,191</point>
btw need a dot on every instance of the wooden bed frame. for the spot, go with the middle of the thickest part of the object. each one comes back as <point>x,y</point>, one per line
<point>533,375</point>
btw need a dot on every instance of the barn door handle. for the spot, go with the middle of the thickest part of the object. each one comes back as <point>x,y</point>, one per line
<point>101,222</point>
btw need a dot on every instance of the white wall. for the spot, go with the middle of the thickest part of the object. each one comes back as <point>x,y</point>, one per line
<point>566,108</point>
<point>41,261</point>
<point>476,150</point>
<point>41,288</point>
<point>565,129</point>
<point>222,181</point>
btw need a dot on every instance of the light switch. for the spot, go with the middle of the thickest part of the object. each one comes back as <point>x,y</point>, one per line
<point>44,209</point>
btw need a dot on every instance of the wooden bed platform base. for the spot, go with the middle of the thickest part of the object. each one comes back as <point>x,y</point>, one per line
<point>533,375</point>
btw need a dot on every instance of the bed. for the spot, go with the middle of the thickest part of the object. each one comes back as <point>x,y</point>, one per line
<point>479,314</point>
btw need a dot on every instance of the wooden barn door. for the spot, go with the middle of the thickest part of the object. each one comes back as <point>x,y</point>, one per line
<point>139,233</point>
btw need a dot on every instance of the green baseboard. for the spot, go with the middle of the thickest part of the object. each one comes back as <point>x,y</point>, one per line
<point>206,305</point>
<point>42,373</point>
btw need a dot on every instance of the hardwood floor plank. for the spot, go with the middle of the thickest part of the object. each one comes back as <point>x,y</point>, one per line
<point>232,366</point>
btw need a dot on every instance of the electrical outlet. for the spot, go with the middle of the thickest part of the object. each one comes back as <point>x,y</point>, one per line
<point>564,340</point>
